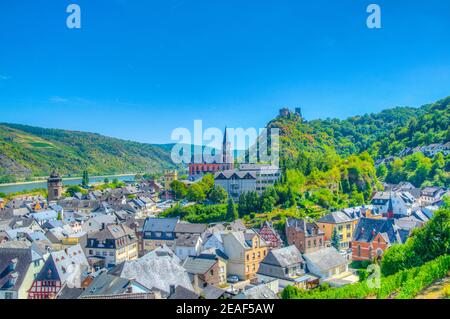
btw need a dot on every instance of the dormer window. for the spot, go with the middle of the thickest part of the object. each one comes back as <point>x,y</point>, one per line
<point>12,264</point>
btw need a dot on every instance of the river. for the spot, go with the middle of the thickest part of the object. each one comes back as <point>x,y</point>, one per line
<point>13,188</point>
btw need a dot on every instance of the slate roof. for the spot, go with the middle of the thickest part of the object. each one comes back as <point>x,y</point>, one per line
<point>160,224</point>
<point>22,257</point>
<point>106,284</point>
<point>284,257</point>
<point>155,272</point>
<point>190,228</point>
<point>199,264</point>
<point>45,215</point>
<point>212,292</point>
<point>337,217</point>
<point>182,293</point>
<point>187,240</point>
<point>311,228</point>
<point>67,293</point>
<point>58,265</point>
<point>257,292</point>
<point>325,259</point>
<point>235,174</point>
<point>367,229</point>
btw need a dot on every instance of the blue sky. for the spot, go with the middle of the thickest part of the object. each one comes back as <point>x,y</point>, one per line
<point>138,69</point>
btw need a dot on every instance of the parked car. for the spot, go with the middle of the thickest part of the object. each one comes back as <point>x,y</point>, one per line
<point>233,279</point>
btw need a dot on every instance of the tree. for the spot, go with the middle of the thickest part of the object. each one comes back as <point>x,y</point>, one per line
<point>179,189</point>
<point>335,240</point>
<point>106,180</point>
<point>232,213</point>
<point>85,179</point>
<point>73,189</point>
<point>289,292</point>
<point>426,243</point>
<point>290,200</point>
<point>196,193</point>
<point>218,195</point>
<point>382,171</point>
<point>207,183</point>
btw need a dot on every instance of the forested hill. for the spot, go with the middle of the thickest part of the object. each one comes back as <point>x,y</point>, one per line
<point>390,131</point>
<point>27,151</point>
<point>321,148</point>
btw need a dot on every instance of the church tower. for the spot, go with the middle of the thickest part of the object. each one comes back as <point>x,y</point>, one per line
<point>54,186</point>
<point>227,152</point>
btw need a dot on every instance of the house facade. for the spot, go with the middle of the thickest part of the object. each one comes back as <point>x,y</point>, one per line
<point>373,236</point>
<point>114,244</point>
<point>326,263</point>
<point>245,251</point>
<point>305,235</point>
<point>286,265</point>
<point>158,232</point>
<point>67,266</point>
<point>210,269</point>
<point>343,224</point>
<point>18,267</point>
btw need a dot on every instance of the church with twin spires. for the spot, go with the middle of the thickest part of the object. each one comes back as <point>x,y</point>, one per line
<point>203,167</point>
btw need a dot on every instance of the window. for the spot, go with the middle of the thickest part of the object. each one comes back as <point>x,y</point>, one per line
<point>9,295</point>
<point>91,252</point>
<point>359,250</point>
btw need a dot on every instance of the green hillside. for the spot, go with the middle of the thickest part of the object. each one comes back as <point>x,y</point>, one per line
<point>27,152</point>
<point>330,162</point>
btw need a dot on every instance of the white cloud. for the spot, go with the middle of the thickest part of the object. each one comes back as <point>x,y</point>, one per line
<point>4,77</point>
<point>58,99</point>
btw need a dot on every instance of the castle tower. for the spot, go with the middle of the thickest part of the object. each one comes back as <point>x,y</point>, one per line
<point>54,186</point>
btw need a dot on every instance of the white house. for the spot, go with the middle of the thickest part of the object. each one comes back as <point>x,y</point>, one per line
<point>187,245</point>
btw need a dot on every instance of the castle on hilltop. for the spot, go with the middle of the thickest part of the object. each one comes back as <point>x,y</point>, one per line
<point>287,113</point>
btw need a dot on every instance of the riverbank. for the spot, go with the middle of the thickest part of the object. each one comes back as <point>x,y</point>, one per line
<point>68,181</point>
<point>44,179</point>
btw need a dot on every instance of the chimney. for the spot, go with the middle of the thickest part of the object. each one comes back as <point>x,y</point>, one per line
<point>373,232</point>
<point>129,289</point>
